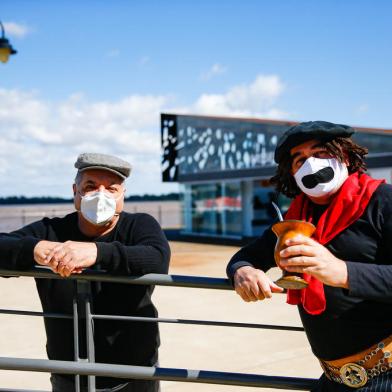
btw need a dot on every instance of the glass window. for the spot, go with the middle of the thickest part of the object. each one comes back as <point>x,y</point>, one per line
<point>376,143</point>
<point>216,209</point>
<point>264,212</point>
<point>232,209</point>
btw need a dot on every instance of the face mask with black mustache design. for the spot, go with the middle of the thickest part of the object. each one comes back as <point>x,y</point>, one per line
<point>319,177</point>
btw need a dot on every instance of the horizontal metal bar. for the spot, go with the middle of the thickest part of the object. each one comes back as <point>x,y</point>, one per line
<point>200,282</point>
<point>155,320</point>
<point>151,373</point>
<point>21,390</point>
<point>39,314</point>
<point>197,322</point>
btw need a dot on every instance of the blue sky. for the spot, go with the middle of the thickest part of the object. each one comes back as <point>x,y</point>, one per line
<point>94,75</point>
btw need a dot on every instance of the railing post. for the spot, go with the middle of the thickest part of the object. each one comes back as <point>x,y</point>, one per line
<point>90,339</point>
<point>83,291</point>
<point>76,336</point>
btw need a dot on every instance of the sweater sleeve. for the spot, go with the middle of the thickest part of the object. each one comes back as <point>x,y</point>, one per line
<point>17,247</point>
<point>370,281</point>
<point>374,281</point>
<point>149,252</point>
<point>258,254</point>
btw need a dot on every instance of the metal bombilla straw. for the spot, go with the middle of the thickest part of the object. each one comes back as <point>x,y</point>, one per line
<point>280,216</point>
<point>284,230</point>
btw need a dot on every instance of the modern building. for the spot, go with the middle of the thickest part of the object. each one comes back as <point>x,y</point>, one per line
<point>224,164</point>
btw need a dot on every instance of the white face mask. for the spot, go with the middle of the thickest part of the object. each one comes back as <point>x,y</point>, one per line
<point>98,208</point>
<point>320,177</point>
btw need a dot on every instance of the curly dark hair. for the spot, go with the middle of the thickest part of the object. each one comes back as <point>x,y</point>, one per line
<point>339,147</point>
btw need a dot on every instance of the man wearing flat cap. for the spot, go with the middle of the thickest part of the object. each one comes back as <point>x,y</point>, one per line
<point>346,308</point>
<point>100,236</point>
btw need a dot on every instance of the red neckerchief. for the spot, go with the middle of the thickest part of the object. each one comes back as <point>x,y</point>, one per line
<point>346,207</point>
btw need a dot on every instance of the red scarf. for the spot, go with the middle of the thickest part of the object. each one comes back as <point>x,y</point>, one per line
<point>346,207</point>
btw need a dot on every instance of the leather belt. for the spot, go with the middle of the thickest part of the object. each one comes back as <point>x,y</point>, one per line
<point>355,370</point>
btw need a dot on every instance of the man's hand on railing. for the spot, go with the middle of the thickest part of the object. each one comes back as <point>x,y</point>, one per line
<point>66,258</point>
<point>42,250</point>
<point>252,284</point>
<point>72,257</point>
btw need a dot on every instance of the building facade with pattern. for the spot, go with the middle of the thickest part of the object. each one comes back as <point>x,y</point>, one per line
<point>224,164</point>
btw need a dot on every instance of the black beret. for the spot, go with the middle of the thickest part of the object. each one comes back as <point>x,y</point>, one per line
<point>110,163</point>
<point>305,131</point>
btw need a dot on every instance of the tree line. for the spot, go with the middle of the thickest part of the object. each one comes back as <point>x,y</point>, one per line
<point>11,200</point>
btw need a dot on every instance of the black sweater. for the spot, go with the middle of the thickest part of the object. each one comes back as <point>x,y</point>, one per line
<point>136,246</point>
<point>356,318</point>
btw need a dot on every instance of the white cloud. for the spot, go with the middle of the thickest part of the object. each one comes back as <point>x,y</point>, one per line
<point>215,70</point>
<point>40,140</point>
<point>16,29</point>
<point>255,99</point>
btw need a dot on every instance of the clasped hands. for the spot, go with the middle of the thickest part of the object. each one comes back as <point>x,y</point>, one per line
<point>65,258</point>
<point>303,255</point>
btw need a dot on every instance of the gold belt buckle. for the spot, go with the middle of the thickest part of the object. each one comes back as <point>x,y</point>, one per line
<point>353,375</point>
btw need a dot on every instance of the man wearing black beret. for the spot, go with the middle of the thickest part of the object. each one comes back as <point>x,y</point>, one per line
<point>346,309</point>
<point>101,236</point>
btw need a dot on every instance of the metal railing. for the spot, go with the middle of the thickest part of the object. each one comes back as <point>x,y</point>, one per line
<point>82,310</point>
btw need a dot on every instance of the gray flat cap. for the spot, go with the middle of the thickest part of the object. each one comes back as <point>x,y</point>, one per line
<point>113,164</point>
<point>305,131</point>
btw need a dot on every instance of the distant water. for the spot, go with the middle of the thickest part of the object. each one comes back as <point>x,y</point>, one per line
<point>167,213</point>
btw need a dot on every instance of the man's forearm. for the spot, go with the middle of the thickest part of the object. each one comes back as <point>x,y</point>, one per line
<point>17,252</point>
<point>134,260</point>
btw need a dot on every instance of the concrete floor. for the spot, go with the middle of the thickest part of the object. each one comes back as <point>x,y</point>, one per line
<point>184,346</point>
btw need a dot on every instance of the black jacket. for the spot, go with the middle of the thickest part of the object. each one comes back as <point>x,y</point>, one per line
<point>136,246</point>
<point>357,318</point>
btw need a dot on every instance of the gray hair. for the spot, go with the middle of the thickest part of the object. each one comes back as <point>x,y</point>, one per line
<point>79,176</point>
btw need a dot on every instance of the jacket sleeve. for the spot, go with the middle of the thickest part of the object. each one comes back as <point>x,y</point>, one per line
<point>374,281</point>
<point>258,254</point>
<point>149,252</point>
<point>370,281</point>
<point>17,247</point>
